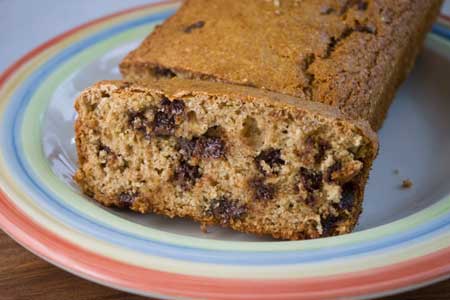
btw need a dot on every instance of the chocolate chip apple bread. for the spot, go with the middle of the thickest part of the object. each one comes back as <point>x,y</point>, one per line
<point>352,54</point>
<point>245,158</point>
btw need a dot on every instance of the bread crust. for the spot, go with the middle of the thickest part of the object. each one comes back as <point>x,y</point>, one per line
<point>349,54</point>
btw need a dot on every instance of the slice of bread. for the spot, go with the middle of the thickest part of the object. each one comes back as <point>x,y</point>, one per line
<point>255,161</point>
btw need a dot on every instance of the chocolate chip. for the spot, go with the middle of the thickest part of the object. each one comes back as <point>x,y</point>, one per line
<point>163,72</point>
<point>326,10</point>
<point>337,166</point>
<point>262,190</point>
<point>320,146</point>
<point>126,199</point>
<point>206,146</point>
<point>225,210</point>
<point>209,147</point>
<point>329,225</point>
<point>186,175</point>
<point>105,148</point>
<point>362,5</point>
<point>186,147</point>
<point>137,120</point>
<point>110,155</point>
<point>163,124</point>
<point>165,102</point>
<point>359,4</point>
<point>175,107</point>
<point>196,25</point>
<point>311,180</point>
<point>105,94</point>
<point>271,157</point>
<point>365,28</point>
<point>348,196</point>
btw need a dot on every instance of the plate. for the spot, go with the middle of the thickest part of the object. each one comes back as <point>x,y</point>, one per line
<point>402,241</point>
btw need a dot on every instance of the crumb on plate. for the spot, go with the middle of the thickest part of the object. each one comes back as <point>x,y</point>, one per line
<point>406,184</point>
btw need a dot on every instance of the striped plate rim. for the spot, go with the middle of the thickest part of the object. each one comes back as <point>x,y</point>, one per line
<point>21,226</point>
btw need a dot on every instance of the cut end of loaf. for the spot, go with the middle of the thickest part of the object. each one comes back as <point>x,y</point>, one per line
<point>254,165</point>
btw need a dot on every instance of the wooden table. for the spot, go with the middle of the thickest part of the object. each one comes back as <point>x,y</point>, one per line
<point>25,276</point>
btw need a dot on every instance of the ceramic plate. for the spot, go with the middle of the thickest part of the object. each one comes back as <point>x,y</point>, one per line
<point>401,242</point>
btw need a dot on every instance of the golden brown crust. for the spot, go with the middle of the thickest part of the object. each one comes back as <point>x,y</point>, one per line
<point>93,130</point>
<point>349,54</point>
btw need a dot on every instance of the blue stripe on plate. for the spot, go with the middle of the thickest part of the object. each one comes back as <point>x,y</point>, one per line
<point>441,30</point>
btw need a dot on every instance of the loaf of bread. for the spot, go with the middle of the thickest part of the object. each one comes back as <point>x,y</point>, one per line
<point>352,54</point>
<point>245,158</point>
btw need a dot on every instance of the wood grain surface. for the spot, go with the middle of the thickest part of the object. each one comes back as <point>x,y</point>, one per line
<point>25,276</point>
